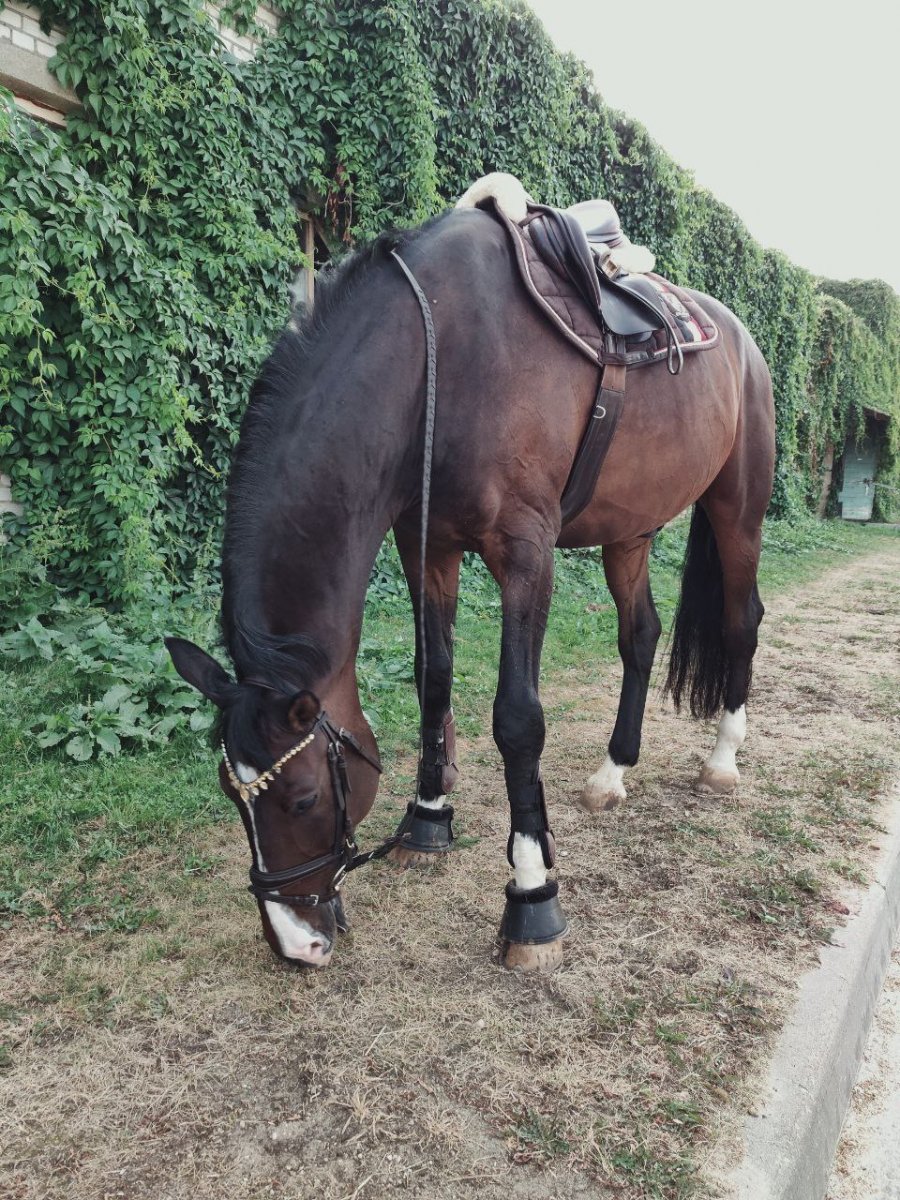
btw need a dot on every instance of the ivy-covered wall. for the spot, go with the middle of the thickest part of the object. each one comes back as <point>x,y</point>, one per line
<point>146,249</point>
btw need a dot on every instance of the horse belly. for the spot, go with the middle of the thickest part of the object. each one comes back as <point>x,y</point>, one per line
<point>670,445</point>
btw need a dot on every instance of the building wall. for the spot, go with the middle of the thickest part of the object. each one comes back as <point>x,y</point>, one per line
<point>244,47</point>
<point>25,49</point>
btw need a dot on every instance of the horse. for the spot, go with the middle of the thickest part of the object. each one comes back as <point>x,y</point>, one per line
<point>330,459</point>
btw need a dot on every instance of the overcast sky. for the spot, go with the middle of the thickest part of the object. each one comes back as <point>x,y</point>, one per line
<point>789,112</point>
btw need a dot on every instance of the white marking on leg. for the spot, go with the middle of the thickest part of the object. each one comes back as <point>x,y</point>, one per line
<point>437,802</point>
<point>730,738</point>
<point>604,789</point>
<point>608,779</point>
<point>528,860</point>
<point>296,938</point>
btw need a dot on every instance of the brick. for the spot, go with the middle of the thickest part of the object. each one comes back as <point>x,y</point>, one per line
<point>10,18</point>
<point>24,40</point>
<point>33,27</point>
<point>46,49</point>
<point>5,32</point>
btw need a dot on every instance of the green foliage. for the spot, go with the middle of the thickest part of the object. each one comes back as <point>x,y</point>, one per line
<point>147,249</point>
<point>117,688</point>
<point>858,366</point>
<point>146,253</point>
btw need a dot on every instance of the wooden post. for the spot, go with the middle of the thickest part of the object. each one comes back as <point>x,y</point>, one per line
<point>827,476</point>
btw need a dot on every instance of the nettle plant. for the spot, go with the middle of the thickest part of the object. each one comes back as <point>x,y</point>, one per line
<point>147,249</point>
<point>115,687</point>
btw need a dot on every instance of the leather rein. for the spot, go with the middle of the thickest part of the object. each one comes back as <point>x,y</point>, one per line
<point>345,855</point>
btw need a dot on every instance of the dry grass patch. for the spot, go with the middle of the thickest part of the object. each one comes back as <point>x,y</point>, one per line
<point>174,1057</point>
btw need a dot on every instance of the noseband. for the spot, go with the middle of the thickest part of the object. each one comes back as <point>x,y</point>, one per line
<point>345,855</point>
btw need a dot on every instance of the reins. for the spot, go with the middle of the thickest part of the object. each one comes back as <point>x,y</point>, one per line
<point>427,461</point>
<point>345,854</point>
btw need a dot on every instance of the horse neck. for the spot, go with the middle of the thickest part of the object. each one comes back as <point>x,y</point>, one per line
<point>309,507</point>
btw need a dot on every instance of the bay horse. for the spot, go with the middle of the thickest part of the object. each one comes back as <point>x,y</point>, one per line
<point>330,458</point>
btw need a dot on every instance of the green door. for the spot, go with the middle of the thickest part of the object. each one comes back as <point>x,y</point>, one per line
<point>858,494</point>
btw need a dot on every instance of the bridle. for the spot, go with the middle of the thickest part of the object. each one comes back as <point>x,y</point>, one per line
<point>345,855</point>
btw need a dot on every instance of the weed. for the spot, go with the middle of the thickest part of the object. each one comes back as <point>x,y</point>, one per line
<point>655,1174</point>
<point>538,1138</point>
<point>778,824</point>
<point>682,1113</point>
<point>848,870</point>
<point>613,1017</point>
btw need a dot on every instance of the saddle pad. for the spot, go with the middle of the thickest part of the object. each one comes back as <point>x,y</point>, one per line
<point>559,298</point>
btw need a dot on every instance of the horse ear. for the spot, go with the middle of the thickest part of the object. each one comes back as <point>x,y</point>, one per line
<point>199,669</point>
<point>303,710</point>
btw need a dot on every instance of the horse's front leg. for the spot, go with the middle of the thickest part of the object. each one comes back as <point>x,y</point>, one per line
<point>533,923</point>
<point>431,831</point>
<point>625,566</point>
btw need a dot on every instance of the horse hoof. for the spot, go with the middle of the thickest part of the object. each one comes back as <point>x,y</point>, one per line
<point>598,800</point>
<point>604,789</point>
<point>718,783</point>
<point>403,857</point>
<point>546,957</point>
<point>532,928</point>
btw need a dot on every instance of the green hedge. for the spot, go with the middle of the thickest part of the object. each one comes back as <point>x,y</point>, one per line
<point>146,250</point>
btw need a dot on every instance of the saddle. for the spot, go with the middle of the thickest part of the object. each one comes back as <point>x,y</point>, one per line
<point>617,320</point>
<point>628,306</point>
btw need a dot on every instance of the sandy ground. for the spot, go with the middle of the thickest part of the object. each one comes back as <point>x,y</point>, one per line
<point>183,1061</point>
<point>867,1163</point>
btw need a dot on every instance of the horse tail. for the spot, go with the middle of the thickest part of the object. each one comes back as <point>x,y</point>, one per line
<point>698,666</point>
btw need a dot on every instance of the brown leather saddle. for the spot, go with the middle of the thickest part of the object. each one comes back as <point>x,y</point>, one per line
<point>621,322</point>
<point>628,307</point>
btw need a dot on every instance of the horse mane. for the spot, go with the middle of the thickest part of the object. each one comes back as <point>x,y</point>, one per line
<point>335,284</point>
<point>283,662</point>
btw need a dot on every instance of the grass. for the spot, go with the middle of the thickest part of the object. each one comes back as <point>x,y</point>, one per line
<point>136,973</point>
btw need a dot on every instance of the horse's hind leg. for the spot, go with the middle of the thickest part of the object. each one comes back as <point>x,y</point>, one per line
<point>738,543</point>
<point>431,831</point>
<point>533,924</point>
<point>625,565</point>
<point>715,633</point>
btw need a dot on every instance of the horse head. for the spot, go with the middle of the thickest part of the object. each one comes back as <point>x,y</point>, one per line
<point>301,784</point>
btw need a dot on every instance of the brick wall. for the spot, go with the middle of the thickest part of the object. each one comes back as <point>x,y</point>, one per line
<point>20,25</point>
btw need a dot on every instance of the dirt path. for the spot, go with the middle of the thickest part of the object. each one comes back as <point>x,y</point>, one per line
<point>185,1062</point>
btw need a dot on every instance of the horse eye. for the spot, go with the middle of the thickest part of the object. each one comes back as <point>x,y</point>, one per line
<point>304,803</point>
